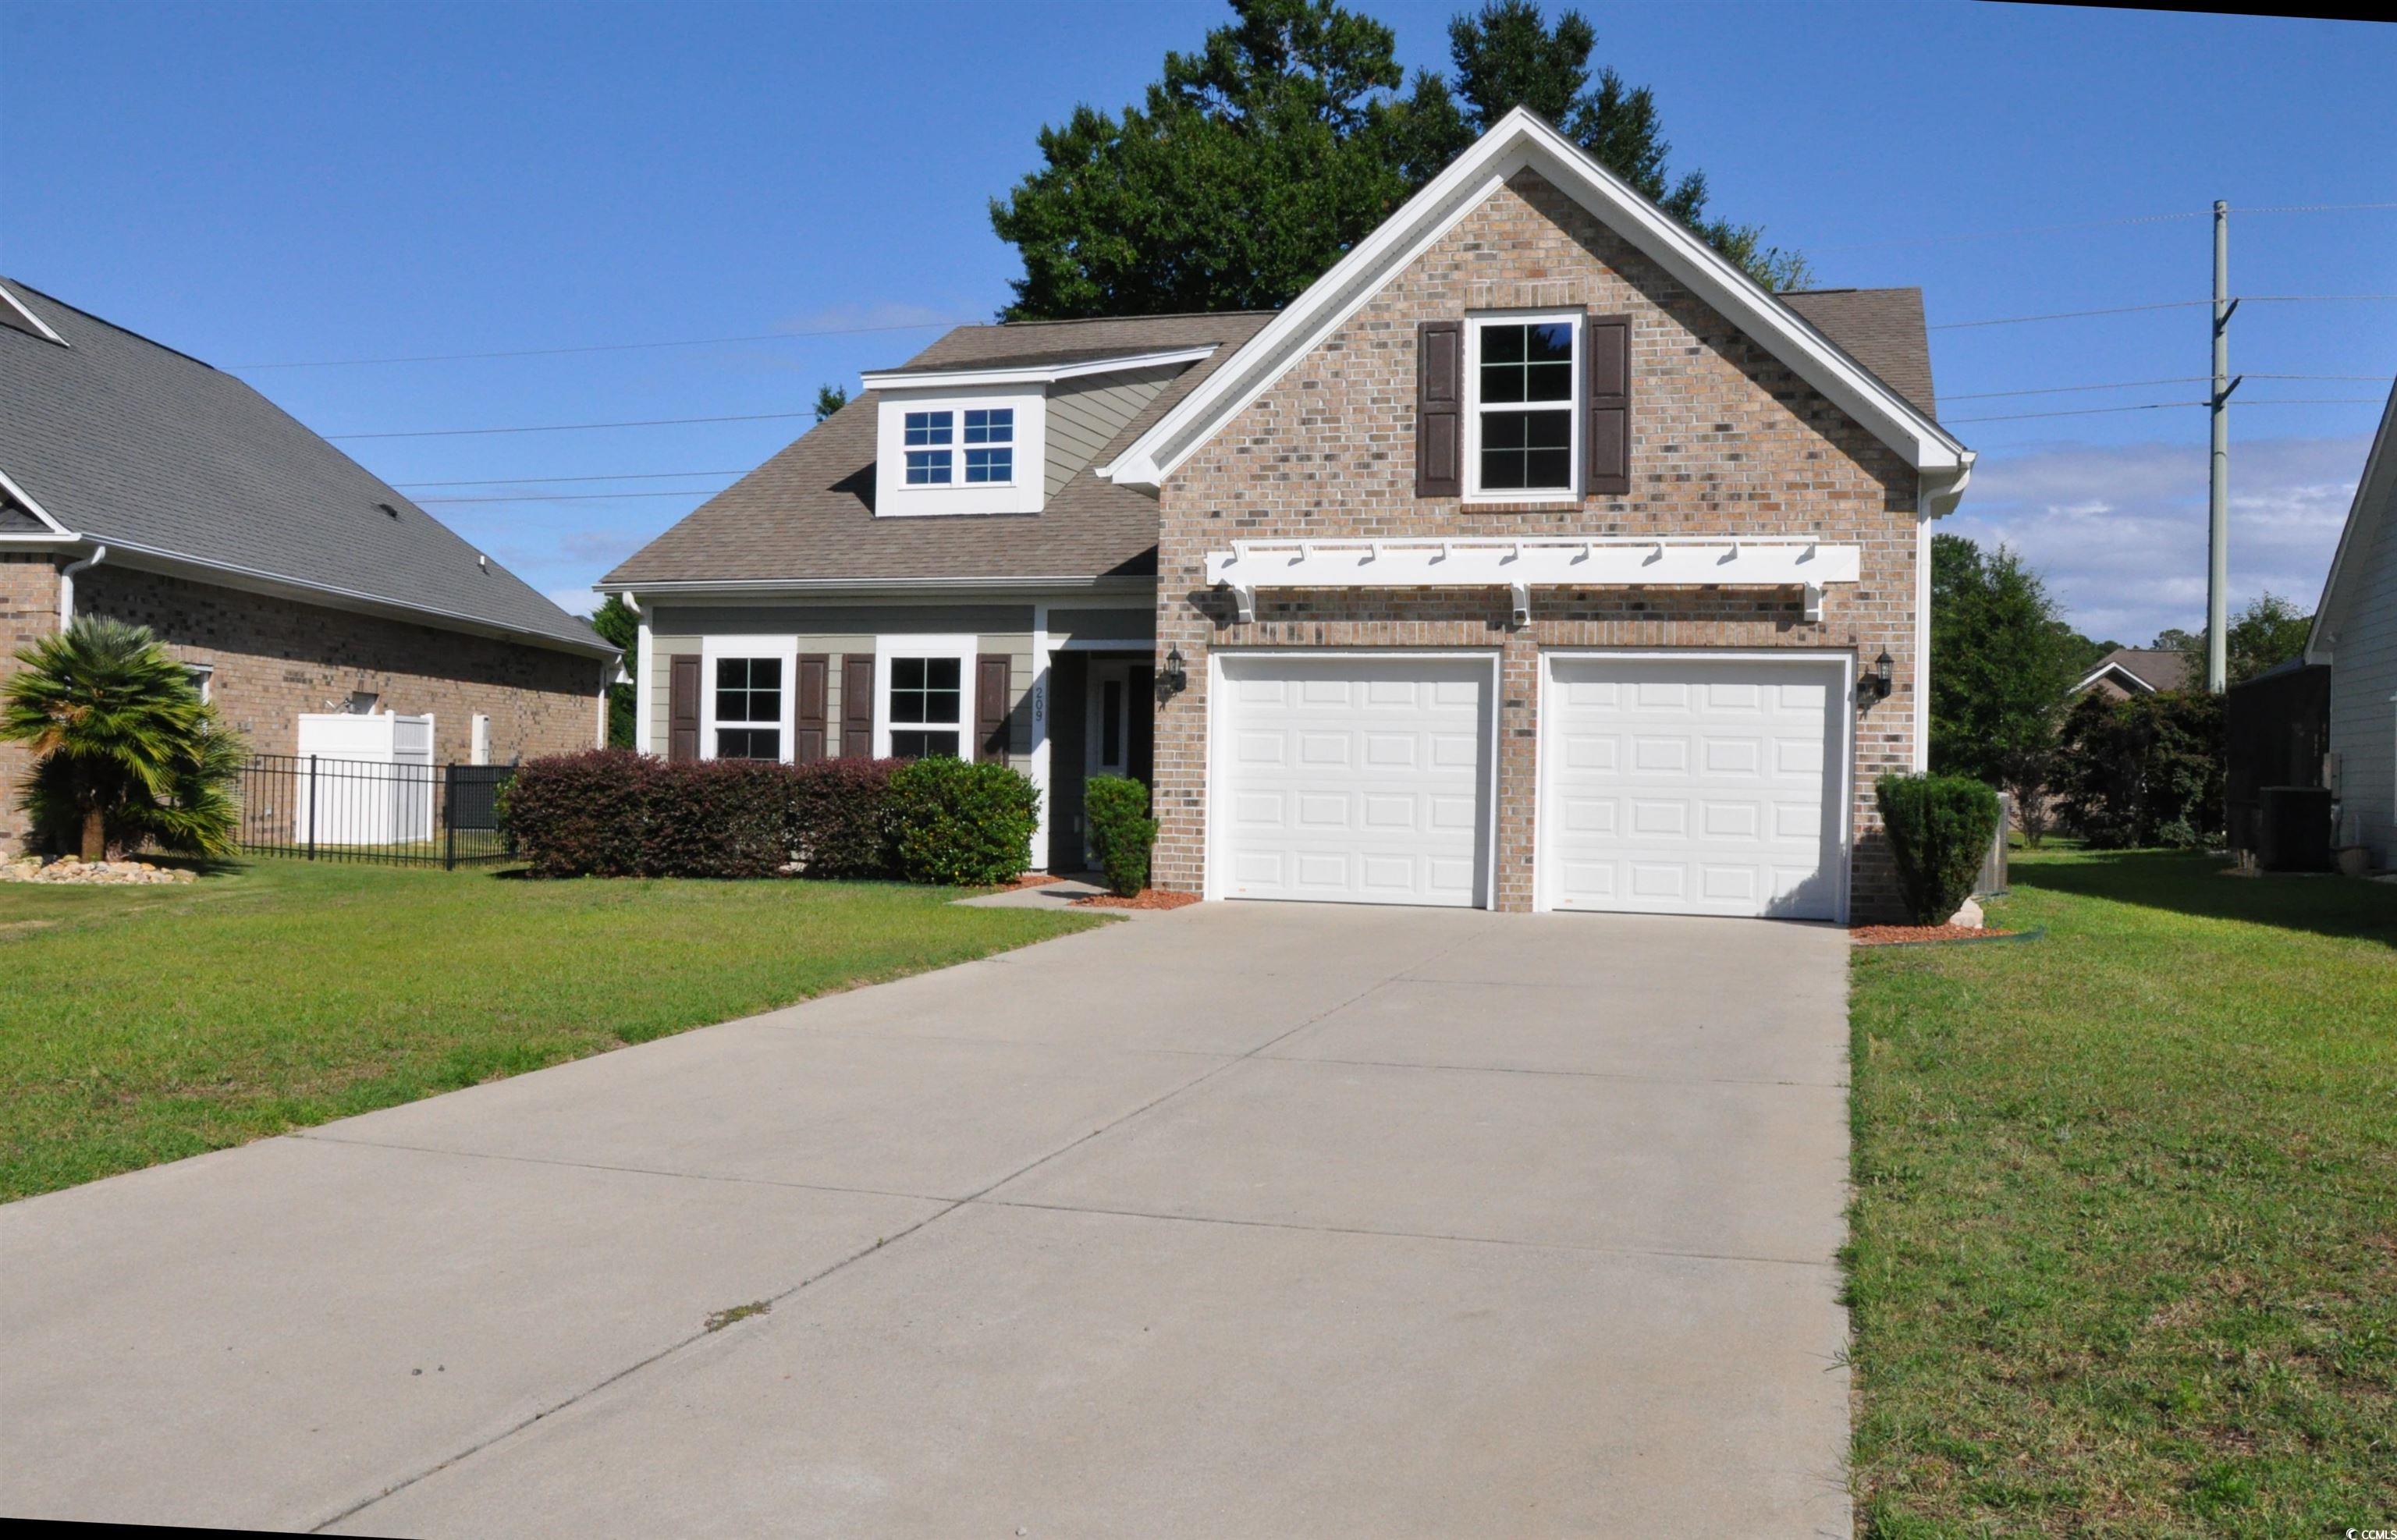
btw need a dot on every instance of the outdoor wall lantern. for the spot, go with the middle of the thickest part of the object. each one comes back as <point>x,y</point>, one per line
<point>1877,685</point>
<point>1174,678</point>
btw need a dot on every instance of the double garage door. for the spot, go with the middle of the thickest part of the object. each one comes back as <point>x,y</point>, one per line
<point>1683,784</point>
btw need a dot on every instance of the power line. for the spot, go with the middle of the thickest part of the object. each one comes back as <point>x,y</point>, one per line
<point>577,427</point>
<point>544,481</point>
<point>2136,385</point>
<point>598,347</point>
<point>2098,224</point>
<point>2068,314</point>
<point>2160,405</point>
<point>572,497</point>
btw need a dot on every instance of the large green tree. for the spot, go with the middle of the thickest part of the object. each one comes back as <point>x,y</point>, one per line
<point>1508,56</point>
<point>1254,163</point>
<point>2268,631</point>
<point>2000,662</point>
<point>616,624</point>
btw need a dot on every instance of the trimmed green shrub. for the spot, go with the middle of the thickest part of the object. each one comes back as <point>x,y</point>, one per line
<point>1940,828</point>
<point>963,824</point>
<point>1121,831</point>
<point>611,813</point>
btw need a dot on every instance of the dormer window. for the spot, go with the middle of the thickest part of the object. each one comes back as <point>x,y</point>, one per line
<point>990,445</point>
<point>928,447</point>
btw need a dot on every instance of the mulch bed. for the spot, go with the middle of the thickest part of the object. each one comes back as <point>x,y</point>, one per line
<point>1894,935</point>
<point>1030,879</point>
<point>1147,898</point>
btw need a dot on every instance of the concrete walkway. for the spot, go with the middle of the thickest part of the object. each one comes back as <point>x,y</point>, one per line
<point>1245,1220</point>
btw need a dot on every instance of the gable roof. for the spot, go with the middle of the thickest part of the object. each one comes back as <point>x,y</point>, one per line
<point>124,442</point>
<point>1517,142</point>
<point>805,516</point>
<point>2376,496</point>
<point>2144,669</point>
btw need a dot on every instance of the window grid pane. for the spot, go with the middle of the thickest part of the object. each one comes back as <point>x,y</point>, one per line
<point>749,690</point>
<point>923,746</point>
<point>926,691</point>
<point>1526,451</point>
<point>929,427</point>
<point>991,425</point>
<point>990,466</point>
<point>928,467</point>
<point>1526,362</point>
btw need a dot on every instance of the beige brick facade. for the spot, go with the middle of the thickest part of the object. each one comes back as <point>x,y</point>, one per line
<point>273,659</point>
<point>1725,440</point>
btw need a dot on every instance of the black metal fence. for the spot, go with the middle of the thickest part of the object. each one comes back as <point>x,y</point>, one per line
<point>355,809</point>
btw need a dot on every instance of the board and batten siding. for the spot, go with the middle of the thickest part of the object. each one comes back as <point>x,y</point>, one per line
<point>1086,415</point>
<point>843,630</point>
<point>2362,719</point>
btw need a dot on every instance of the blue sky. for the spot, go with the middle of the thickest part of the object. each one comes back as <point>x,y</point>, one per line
<point>259,185</point>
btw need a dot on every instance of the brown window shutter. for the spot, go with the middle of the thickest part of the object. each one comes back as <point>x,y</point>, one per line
<point>810,724</point>
<point>682,709</point>
<point>857,706</point>
<point>1607,437</point>
<point>1440,408</point>
<point>990,707</point>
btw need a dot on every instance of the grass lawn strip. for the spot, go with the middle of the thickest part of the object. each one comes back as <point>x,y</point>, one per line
<point>146,1024</point>
<point>2123,1254</point>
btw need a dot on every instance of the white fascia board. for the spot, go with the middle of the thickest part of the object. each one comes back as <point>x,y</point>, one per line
<point>26,501</point>
<point>2131,681</point>
<point>8,298</point>
<point>250,580</point>
<point>1030,374</point>
<point>1717,561</point>
<point>2375,491</point>
<point>1518,140</point>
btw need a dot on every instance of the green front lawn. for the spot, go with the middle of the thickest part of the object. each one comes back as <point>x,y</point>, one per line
<point>141,1024</point>
<point>2124,1244</point>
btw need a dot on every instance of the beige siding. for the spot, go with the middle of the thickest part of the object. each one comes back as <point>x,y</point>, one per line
<point>1086,415</point>
<point>842,631</point>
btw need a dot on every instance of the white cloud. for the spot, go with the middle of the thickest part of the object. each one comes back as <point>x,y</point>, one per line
<point>2118,530</point>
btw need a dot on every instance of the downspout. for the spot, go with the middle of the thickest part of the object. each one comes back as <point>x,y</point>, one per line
<point>66,582</point>
<point>1931,502</point>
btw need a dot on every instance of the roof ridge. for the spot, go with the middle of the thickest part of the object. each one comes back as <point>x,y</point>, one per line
<point>113,326</point>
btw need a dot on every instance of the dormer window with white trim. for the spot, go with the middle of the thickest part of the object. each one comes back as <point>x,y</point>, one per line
<point>1523,417</point>
<point>929,433</point>
<point>990,445</point>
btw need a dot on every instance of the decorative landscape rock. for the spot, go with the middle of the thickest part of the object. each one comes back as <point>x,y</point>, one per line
<point>74,869</point>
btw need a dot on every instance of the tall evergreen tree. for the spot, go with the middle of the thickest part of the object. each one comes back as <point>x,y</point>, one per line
<point>1507,56</point>
<point>1254,163</point>
<point>616,624</point>
<point>2000,662</point>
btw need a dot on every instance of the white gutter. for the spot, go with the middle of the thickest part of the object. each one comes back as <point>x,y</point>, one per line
<point>66,582</point>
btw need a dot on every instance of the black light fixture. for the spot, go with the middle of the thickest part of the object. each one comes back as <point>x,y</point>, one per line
<point>1877,685</point>
<point>1174,678</point>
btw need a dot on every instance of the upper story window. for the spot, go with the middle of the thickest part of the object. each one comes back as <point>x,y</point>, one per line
<point>990,444</point>
<point>929,455</point>
<point>1522,411</point>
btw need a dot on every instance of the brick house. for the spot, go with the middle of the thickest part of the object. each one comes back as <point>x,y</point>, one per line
<point>140,483</point>
<point>1534,558</point>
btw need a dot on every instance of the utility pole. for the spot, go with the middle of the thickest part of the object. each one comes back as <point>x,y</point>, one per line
<point>2217,499</point>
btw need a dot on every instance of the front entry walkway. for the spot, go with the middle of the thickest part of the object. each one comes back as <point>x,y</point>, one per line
<point>1243,1220</point>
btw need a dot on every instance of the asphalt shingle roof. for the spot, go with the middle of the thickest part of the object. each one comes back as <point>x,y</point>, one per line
<point>131,443</point>
<point>1881,329</point>
<point>809,512</point>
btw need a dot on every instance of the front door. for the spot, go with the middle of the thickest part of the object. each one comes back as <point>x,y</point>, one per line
<point>1107,726</point>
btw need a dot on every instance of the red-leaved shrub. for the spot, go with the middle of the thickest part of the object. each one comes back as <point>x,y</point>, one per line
<point>611,813</point>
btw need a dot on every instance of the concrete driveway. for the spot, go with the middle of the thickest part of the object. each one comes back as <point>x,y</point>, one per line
<point>1242,1220</point>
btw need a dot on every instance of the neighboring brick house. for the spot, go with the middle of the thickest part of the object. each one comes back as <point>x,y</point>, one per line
<point>140,483</point>
<point>1534,559</point>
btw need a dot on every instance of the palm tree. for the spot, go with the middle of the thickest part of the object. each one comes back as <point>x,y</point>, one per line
<point>127,750</point>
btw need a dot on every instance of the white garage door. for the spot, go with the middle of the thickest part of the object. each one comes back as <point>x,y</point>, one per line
<point>1353,780</point>
<point>1693,786</point>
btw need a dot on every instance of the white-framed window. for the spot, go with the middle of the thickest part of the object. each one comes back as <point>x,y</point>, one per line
<point>1523,397</point>
<point>204,679</point>
<point>990,445</point>
<point>746,684</point>
<point>923,696</point>
<point>960,451</point>
<point>930,461</point>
